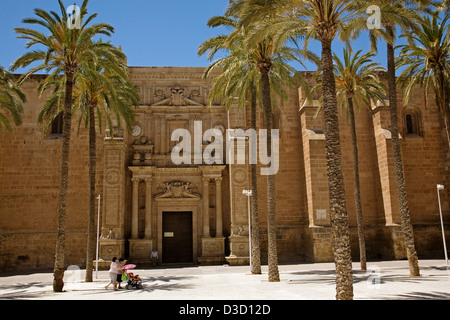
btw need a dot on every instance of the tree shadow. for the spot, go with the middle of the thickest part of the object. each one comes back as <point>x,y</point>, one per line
<point>164,283</point>
<point>22,291</point>
<point>150,284</point>
<point>318,276</point>
<point>329,276</point>
<point>421,296</point>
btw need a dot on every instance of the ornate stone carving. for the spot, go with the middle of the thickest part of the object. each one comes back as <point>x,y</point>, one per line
<point>110,236</point>
<point>239,176</point>
<point>143,152</point>
<point>178,97</point>
<point>113,177</point>
<point>237,230</point>
<point>177,189</point>
<point>117,134</point>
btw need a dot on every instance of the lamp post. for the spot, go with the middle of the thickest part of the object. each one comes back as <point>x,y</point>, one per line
<point>248,193</point>
<point>441,187</point>
<point>98,232</point>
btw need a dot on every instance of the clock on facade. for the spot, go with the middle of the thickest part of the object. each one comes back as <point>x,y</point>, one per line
<point>136,131</point>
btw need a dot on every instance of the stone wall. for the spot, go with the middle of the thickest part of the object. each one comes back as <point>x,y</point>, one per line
<point>30,161</point>
<point>29,189</point>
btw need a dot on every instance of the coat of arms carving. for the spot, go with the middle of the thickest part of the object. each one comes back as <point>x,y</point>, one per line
<point>177,190</point>
<point>178,97</point>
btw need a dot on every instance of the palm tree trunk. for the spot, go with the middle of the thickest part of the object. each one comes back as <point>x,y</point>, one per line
<point>404,208</point>
<point>359,218</point>
<point>274,275</point>
<point>338,209</point>
<point>442,101</point>
<point>91,219</point>
<point>256,251</point>
<point>58,272</point>
<point>446,115</point>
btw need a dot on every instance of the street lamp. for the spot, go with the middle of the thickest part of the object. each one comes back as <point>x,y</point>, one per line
<point>441,187</point>
<point>248,193</point>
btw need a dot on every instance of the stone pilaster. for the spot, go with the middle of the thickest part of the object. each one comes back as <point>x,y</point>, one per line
<point>135,209</point>
<point>318,234</point>
<point>113,203</point>
<point>219,214</point>
<point>239,238</point>
<point>381,124</point>
<point>206,229</point>
<point>148,208</point>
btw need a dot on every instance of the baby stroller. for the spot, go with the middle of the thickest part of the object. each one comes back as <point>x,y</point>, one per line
<point>133,281</point>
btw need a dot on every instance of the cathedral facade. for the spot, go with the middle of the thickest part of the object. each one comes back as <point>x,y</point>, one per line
<point>196,211</point>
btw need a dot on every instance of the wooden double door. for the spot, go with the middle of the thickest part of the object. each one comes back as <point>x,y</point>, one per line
<point>177,237</point>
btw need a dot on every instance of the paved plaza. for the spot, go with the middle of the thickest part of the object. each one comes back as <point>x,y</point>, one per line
<point>384,280</point>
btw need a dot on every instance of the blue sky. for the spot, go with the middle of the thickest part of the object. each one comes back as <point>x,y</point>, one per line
<point>151,33</point>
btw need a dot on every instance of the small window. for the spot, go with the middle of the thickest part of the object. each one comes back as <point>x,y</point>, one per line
<point>410,124</point>
<point>412,121</point>
<point>57,124</point>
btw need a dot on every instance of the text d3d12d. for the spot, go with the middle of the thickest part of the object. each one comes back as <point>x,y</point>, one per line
<point>242,309</point>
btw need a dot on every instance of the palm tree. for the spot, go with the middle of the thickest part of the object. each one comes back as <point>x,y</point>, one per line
<point>263,58</point>
<point>427,61</point>
<point>236,81</point>
<point>321,20</point>
<point>61,53</point>
<point>263,49</point>
<point>102,89</point>
<point>11,100</point>
<point>357,80</point>
<point>443,5</point>
<point>403,14</point>
<point>240,77</point>
<point>106,91</point>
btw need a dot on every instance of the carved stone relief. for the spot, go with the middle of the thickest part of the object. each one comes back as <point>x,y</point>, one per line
<point>176,190</point>
<point>143,152</point>
<point>177,96</point>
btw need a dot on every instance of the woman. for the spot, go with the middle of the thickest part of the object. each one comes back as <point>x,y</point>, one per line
<point>113,271</point>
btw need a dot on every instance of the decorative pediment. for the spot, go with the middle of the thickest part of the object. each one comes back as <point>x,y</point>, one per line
<point>177,96</point>
<point>177,190</point>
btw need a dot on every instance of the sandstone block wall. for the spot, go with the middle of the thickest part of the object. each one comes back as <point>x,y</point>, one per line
<point>29,181</point>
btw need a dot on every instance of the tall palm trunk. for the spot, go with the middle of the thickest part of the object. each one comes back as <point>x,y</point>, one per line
<point>58,272</point>
<point>404,208</point>
<point>442,100</point>
<point>91,218</point>
<point>256,251</point>
<point>274,275</point>
<point>338,209</point>
<point>359,218</point>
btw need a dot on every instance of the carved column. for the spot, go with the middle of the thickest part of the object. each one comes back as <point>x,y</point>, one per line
<point>157,134</point>
<point>206,207</point>
<point>163,135</point>
<point>148,208</point>
<point>219,224</point>
<point>135,209</point>
<point>140,249</point>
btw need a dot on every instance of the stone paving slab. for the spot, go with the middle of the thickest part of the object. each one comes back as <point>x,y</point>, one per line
<point>384,280</point>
